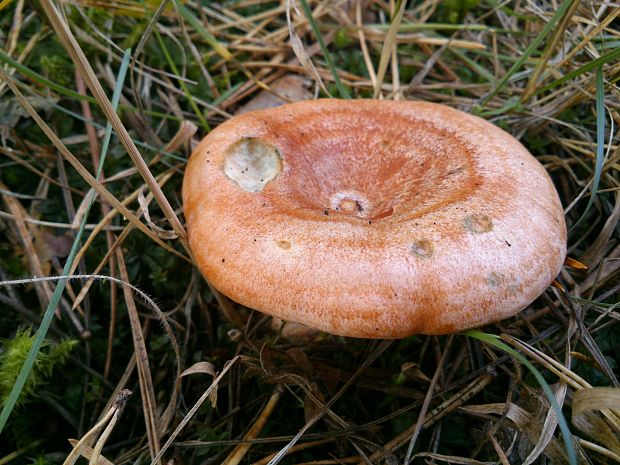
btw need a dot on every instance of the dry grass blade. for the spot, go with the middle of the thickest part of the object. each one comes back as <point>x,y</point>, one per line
<point>587,39</point>
<point>597,250</point>
<point>87,453</point>
<point>500,452</point>
<point>599,449</point>
<point>388,44</point>
<point>566,375</point>
<point>597,398</point>
<point>18,17</point>
<point>11,457</point>
<point>299,50</point>
<point>370,68</point>
<point>95,457</point>
<point>145,298</point>
<point>557,36</point>
<point>109,256</point>
<point>79,446</point>
<point>182,137</point>
<point>144,371</point>
<point>523,56</point>
<point>211,40</point>
<point>101,226</point>
<point>427,400</point>
<point>326,53</point>
<point>605,398</point>
<point>239,452</point>
<point>605,430</point>
<point>452,459</point>
<point>66,37</point>
<point>297,448</point>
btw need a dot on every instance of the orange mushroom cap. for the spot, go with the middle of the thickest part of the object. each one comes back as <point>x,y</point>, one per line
<point>376,219</point>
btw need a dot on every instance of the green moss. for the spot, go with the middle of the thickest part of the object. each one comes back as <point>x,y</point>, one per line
<point>57,68</point>
<point>342,39</point>
<point>14,353</point>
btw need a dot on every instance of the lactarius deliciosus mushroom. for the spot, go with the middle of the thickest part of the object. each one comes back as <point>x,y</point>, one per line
<point>376,219</point>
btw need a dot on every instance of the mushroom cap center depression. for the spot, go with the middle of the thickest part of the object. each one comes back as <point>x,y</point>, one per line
<point>354,166</point>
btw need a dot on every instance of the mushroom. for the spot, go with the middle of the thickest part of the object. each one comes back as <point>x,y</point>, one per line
<point>376,219</point>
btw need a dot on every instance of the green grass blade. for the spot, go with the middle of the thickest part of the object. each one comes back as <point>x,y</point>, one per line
<point>504,7</point>
<point>7,408</point>
<point>416,27</point>
<point>566,434</point>
<point>116,97</point>
<point>600,61</point>
<point>480,70</point>
<point>227,93</point>
<point>600,143</point>
<point>500,56</point>
<point>62,90</point>
<point>40,79</point>
<point>535,43</point>
<point>186,91</point>
<point>204,33</point>
<point>342,90</point>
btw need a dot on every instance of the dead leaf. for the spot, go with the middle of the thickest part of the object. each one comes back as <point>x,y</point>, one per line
<point>301,360</point>
<point>200,367</point>
<point>311,407</point>
<point>289,88</point>
<point>294,332</point>
<point>48,245</point>
<point>412,371</point>
<point>276,375</point>
<point>207,369</point>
